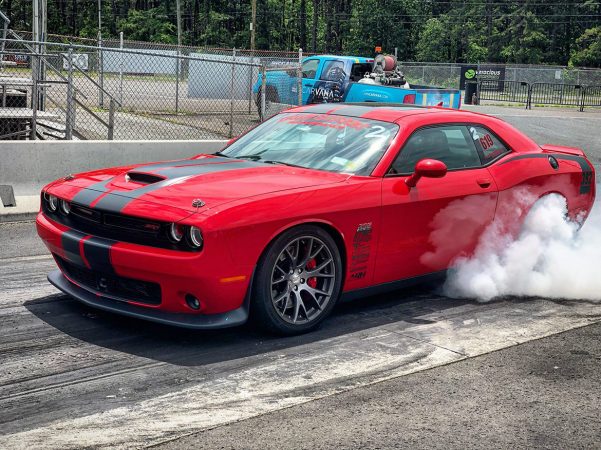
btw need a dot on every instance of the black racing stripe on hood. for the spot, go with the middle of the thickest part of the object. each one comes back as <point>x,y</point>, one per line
<point>117,201</point>
<point>70,241</point>
<point>181,163</point>
<point>91,193</point>
<point>98,254</point>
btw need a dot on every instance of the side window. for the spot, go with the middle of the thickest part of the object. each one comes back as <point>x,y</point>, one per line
<point>487,143</point>
<point>332,70</point>
<point>451,144</point>
<point>358,71</point>
<point>310,68</point>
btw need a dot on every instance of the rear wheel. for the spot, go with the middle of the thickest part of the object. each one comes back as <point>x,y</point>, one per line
<point>298,281</point>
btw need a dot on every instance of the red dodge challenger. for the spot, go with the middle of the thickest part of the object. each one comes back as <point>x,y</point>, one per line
<point>317,204</point>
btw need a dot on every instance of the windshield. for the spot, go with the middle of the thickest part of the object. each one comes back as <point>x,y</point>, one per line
<point>317,141</point>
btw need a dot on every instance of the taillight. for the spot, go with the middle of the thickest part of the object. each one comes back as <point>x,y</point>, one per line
<point>409,99</point>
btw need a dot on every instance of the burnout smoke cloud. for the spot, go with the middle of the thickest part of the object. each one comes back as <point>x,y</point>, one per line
<point>550,257</point>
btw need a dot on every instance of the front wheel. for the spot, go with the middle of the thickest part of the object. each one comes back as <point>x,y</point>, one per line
<point>298,281</point>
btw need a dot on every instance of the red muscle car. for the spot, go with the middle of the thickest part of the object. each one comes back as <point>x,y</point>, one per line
<point>317,204</point>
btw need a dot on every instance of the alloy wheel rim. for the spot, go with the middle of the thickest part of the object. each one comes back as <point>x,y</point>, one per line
<point>302,280</point>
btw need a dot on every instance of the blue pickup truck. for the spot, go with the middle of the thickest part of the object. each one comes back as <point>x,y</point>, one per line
<point>331,79</point>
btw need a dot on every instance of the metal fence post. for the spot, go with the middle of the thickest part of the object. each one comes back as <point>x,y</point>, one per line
<point>70,100</point>
<point>299,76</point>
<point>111,127</point>
<point>251,71</point>
<point>34,105</point>
<point>263,89</point>
<point>177,69</point>
<point>231,133</point>
<point>121,67</point>
<point>529,101</point>
<point>100,75</point>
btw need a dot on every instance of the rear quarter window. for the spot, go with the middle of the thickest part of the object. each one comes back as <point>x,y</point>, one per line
<point>487,143</point>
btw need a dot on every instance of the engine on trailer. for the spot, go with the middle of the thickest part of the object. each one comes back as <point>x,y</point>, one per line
<point>386,72</point>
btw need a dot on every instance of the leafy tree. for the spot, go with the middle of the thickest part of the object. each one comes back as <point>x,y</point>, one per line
<point>588,49</point>
<point>526,43</point>
<point>433,44</point>
<point>149,25</point>
<point>524,31</point>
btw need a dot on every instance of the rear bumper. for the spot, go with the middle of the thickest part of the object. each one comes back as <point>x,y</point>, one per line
<point>193,321</point>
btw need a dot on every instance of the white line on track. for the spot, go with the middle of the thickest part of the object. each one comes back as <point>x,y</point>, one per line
<point>277,380</point>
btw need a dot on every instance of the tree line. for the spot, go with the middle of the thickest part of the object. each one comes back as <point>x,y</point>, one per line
<point>564,32</point>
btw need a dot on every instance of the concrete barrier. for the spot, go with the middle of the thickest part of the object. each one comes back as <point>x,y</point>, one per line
<point>28,166</point>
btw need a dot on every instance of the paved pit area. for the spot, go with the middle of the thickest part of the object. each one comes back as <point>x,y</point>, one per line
<point>408,369</point>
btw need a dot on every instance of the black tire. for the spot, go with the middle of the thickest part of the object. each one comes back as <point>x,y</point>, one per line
<point>307,287</point>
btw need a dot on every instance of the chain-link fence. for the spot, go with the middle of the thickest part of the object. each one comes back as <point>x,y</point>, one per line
<point>448,75</point>
<point>432,74</point>
<point>58,90</point>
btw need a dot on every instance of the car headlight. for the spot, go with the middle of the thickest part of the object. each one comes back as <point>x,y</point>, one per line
<point>176,232</point>
<point>51,202</point>
<point>65,207</point>
<point>195,239</point>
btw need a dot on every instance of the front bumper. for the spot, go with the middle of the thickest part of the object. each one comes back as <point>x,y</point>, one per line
<point>113,275</point>
<point>199,322</point>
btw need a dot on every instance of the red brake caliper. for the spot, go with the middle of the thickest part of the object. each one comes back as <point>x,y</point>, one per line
<point>312,282</point>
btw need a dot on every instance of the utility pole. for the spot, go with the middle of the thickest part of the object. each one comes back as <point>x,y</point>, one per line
<point>179,23</point>
<point>253,24</point>
<point>39,35</point>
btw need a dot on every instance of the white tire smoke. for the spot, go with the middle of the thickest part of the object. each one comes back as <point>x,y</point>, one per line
<point>549,258</point>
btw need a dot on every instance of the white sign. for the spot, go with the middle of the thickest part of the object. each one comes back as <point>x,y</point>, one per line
<point>79,59</point>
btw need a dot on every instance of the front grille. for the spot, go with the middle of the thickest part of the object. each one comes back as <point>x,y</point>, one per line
<point>86,213</point>
<point>117,227</point>
<point>112,285</point>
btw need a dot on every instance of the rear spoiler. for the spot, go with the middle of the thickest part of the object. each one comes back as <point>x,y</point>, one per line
<point>550,148</point>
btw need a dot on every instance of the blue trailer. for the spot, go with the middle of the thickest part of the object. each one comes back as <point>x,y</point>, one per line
<point>332,79</point>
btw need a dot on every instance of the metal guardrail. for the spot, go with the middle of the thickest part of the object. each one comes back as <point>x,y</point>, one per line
<point>501,90</point>
<point>591,96</point>
<point>539,93</point>
<point>555,94</point>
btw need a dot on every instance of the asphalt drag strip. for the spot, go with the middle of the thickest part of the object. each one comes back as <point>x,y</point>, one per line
<point>74,377</point>
<point>545,393</point>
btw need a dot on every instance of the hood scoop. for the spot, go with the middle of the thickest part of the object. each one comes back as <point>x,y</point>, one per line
<point>143,177</point>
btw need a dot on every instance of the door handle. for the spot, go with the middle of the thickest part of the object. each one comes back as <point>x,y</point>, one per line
<point>308,85</point>
<point>484,182</point>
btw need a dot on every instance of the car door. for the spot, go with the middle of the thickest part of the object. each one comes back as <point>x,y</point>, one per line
<point>426,227</point>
